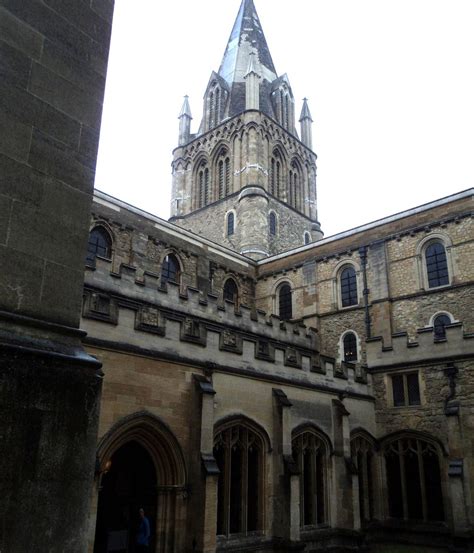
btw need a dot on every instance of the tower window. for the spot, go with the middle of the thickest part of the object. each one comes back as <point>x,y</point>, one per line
<point>231,292</point>
<point>275,174</point>
<point>272,223</point>
<point>170,270</point>
<point>223,174</point>
<point>348,287</point>
<point>230,224</point>
<point>238,451</point>
<point>307,238</point>
<point>436,265</point>
<point>350,347</point>
<point>203,178</point>
<point>439,326</point>
<point>285,306</point>
<point>100,244</point>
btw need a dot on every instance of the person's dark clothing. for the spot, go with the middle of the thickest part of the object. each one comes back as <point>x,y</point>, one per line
<point>143,536</point>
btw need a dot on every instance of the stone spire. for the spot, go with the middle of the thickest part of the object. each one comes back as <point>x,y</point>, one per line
<point>306,125</point>
<point>247,37</point>
<point>185,118</point>
<point>252,77</point>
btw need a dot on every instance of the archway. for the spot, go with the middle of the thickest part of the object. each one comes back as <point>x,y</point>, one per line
<point>130,483</point>
<point>140,464</point>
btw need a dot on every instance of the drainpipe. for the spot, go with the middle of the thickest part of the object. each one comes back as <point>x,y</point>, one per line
<point>363,260</point>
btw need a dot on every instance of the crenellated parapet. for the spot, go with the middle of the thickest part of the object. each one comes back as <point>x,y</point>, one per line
<point>188,326</point>
<point>426,348</point>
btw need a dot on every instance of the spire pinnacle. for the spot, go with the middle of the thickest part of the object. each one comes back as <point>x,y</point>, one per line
<point>186,109</point>
<point>305,113</point>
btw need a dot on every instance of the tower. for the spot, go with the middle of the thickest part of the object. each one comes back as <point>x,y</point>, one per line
<point>246,179</point>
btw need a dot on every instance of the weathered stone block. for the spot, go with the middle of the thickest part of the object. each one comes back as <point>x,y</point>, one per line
<point>15,137</point>
<point>20,182</point>
<point>20,36</point>
<point>14,66</point>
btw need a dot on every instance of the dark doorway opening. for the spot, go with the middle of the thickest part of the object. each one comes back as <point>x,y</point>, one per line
<point>129,485</point>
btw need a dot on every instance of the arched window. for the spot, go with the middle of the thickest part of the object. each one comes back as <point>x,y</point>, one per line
<point>230,224</point>
<point>231,291</point>
<point>349,343</point>
<point>170,271</point>
<point>310,453</point>
<point>238,451</point>
<point>436,265</point>
<point>414,479</point>
<point>294,185</point>
<point>285,304</point>
<point>272,222</point>
<point>348,287</point>
<point>363,457</point>
<point>203,180</point>
<point>439,325</point>
<point>275,174</point>
<point>307,238</point>
<point>100,244</point>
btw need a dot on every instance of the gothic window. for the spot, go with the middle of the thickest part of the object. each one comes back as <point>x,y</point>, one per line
<point>295,185</point>
<point>414,480</point>
<point>307,238</point>
<point>348,283</point>
<point>405,389</point>
<point>215,105</point>
<point>272,223</point>
<point>231,292</point>
<point>436,265</point>
<point>230,224</point>
<point>170,271</point>
<point>285,307</point>
<point>275,174</point>
<point>310,453</point>
<point>439,325</point>
<point>223,174</point>
<point>350,347</point>
<point>238,451</point>
<point>203,180</point>
<point>100,244</point>
<point>363,458</point>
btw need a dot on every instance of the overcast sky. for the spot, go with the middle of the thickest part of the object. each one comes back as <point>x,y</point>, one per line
<point>390,85</point>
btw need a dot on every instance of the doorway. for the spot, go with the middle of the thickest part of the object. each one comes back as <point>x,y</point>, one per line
<point>129,484</point>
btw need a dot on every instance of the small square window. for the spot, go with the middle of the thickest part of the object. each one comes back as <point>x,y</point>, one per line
<point>406,390</point>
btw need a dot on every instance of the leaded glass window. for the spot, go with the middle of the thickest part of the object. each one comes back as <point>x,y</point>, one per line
<point>99,244</point>
<point>285,302</point>
<point>170,270</point>
<point>436,265</point>
<point>349,287</point>
<point>350,347</point>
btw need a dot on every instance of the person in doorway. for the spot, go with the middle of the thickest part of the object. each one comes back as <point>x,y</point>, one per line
<point>143,536</point>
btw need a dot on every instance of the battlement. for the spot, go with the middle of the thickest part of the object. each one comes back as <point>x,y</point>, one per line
<point>425,348</point>
<point>124,287</point>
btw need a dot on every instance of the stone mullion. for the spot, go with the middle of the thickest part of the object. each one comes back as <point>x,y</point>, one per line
<point>421,470</point>
<point>226,479</point>
<point>365,490</point>
<point>314,472</point>
<point>401,458</point>
<point>244,483</point>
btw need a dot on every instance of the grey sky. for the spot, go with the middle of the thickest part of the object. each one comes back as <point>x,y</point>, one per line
<point>390,85</point>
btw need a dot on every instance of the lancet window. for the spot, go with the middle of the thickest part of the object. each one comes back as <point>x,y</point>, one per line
<point>223,174</point>
<point>239,452</point>
<point>310,453</point>
<point>363,458</point>
<point>203,185</point>
<point>276,167</point>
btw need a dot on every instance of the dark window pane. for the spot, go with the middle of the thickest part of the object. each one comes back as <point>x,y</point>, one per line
<point>350,347</point>
<point>436,265</point>
<point>439,325</point>
<point>394,484</point>
<point>252,491</point>
<point>170,270</point>
<point>413,389</point>
<point>285,307</point>
<point>348,287</point>
<point>230,291</point>
<point>308,488</point>
<point>99,244</point>
<point>307,238</point>
<point>412,472</point>
<point>272,224</point>
<point>230,224</point>
<point>398,392</point>
<point>434,495</point>
<point>219,455</point>
<point>320,487</point>
<point>236,491</point>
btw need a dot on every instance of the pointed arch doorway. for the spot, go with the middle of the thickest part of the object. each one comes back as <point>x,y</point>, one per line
<point>128,485</point>
<point>141,465</point>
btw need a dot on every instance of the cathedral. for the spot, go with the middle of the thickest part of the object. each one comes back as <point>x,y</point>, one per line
<point>250,383</point>
<point>266,388</point>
